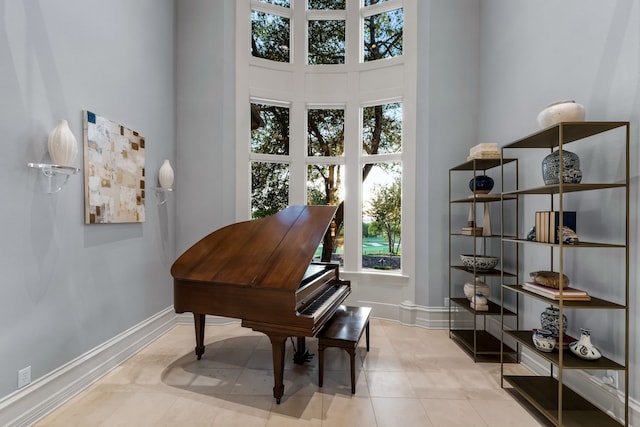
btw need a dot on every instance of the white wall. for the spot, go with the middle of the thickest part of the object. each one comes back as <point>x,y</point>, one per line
<point>534,53</point>
<point>67,287</point>
<point>448,103</point>
<point>205,112</point>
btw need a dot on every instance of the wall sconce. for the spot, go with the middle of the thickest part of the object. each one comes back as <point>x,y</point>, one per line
<point>165,178</point>
<point>63,149</point>
<point>165,175</point>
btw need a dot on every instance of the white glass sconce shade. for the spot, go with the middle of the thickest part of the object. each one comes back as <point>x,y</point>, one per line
<point>165,175</point>
<point>63,147</point>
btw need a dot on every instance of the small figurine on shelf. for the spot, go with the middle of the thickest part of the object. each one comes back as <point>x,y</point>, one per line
<point>471,229</point>
<point>531,236</point>
<point>569,236</point>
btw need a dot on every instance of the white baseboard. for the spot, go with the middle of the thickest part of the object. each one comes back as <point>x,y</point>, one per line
<point>26,406</point>
<point>30,404</point>
<point>410,314</point>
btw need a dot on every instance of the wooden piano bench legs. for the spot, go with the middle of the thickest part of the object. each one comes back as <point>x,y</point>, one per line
<point>344,330</point>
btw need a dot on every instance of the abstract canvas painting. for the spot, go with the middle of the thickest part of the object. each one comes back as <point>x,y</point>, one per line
<point>113,171</point>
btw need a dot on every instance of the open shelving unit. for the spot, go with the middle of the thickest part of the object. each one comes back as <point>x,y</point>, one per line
<point>550,394</point>
<point>467,326</point>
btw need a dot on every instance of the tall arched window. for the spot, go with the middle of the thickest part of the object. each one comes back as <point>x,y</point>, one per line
<point>326,115</point>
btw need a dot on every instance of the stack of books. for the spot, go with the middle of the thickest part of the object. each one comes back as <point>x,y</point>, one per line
<point>472,231</point>
<point>548,223</point>
<point>487,150</point>
<point>568,294</point>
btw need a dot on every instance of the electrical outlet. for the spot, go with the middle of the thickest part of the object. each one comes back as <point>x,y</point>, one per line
<point>446,301</point>
<point>611,378</point>
<point>24,376</point>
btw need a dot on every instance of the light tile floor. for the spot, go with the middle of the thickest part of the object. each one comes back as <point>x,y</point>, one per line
<point>411,377</point>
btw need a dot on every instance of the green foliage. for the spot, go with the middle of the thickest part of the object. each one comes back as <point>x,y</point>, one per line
<point>365,230</point>
<point>270,36</point>
<point>326,44</point>
<point>383,35</point>
<point>272,137</point>
<point>269,188</point>
<point>327,4</point>
<point>283,3</point>
<point>382,124</point>
<point>385,209</point>
<point>382,129</point>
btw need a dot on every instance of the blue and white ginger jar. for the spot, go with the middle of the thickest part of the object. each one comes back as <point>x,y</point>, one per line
<point>571,173</point>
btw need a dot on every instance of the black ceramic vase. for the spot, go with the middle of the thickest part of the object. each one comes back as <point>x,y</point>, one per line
<point>481,184</point>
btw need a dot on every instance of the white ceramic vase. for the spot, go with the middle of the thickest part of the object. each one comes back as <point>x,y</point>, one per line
<point>544,340</point>
<point>583,347</point>
<point>62,145</point>
<point>561,111</point>
<point>165,175</point>
<point>480,287</point>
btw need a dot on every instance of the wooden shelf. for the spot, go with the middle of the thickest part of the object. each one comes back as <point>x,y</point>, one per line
<point>571,131</point>
<point>569,360</point>
<point>484,198</point>
<point>493,236</point>
<point>542,393</point>
<point>567,245</point>
<point>492,272</point>
<point>486,347</point>
<point>480,164</point>
<point>594,303</point>
<point>494,309</point>
<point>479,198</point>
<point>566,188</point>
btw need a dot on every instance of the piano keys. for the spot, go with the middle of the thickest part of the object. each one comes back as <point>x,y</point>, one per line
<point>262,272</point>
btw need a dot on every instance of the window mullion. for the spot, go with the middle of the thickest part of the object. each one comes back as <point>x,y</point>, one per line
<point>297,124</point>
<point>353,202</point>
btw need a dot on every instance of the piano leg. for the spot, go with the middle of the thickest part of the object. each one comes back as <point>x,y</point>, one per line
<point>277,349</point>
<point>302,354</point>
<point>198,320</point>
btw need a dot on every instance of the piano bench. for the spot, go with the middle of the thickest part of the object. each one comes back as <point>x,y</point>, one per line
<point>344,330</point>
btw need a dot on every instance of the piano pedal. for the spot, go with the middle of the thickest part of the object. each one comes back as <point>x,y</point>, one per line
<point>302,358</point>
<point>300,354</point>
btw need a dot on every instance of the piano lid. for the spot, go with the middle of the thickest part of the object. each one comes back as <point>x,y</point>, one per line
<point>271,252</point>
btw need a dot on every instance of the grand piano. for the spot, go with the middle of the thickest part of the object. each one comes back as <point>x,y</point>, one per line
<point>261,272</point>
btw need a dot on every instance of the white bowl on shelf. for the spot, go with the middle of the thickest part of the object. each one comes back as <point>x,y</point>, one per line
<point>561,111</point>
<point>479,262</point>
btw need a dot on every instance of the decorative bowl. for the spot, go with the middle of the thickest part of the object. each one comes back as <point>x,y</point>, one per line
<point>479,262</point>
<point>544,340</point>
<point>561,111</point>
